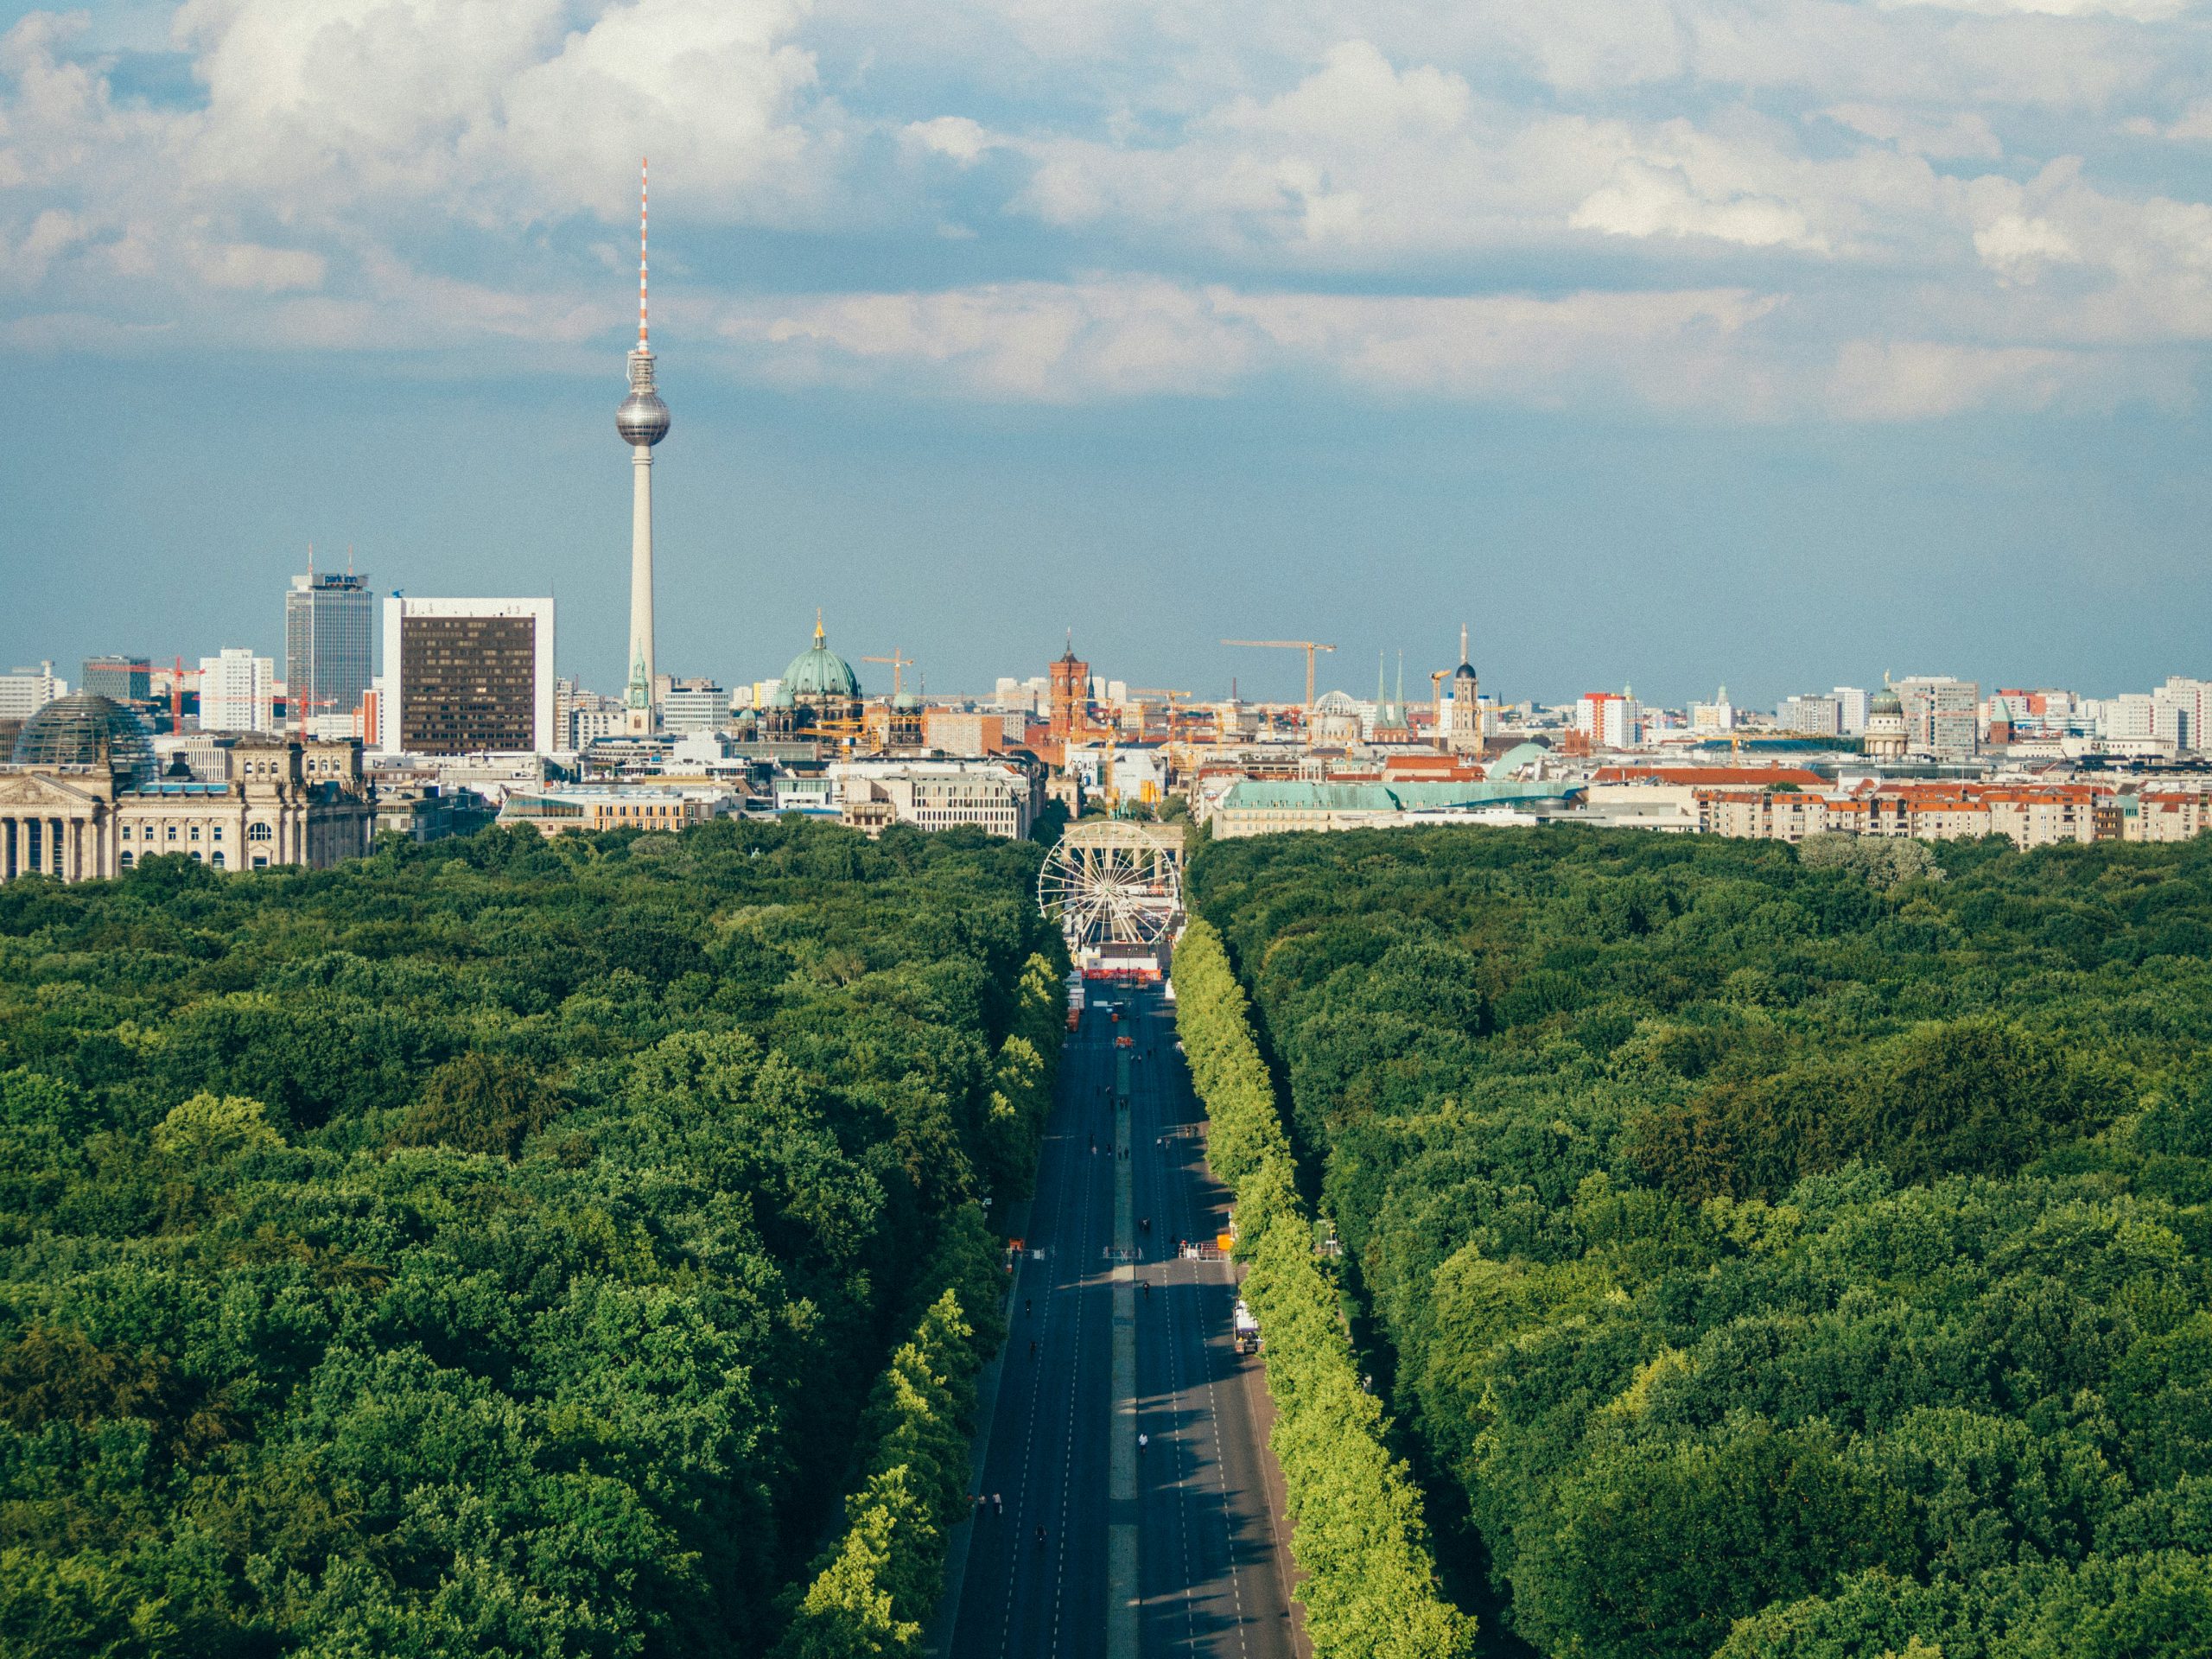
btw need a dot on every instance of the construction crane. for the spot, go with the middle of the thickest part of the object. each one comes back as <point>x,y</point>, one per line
<point>899,666</point>
<point>1309,646</point>
<point>1174,714</point>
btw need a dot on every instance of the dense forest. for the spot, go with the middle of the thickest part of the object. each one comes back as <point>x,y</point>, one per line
<point>506,1246</point>
<point>1776,1254</point>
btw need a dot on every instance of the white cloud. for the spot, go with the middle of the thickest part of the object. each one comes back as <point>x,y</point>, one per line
<point>250,266</point>
<point>2133,10</point>
<point>955,136</point>
<point>2018,247</point>
<point>1804,206</point>
<point>1643,199</point>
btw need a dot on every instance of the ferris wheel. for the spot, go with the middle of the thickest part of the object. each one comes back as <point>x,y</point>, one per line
<point>1113,882</point>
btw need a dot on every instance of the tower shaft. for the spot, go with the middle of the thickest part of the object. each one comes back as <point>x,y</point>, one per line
<point>641,576</point>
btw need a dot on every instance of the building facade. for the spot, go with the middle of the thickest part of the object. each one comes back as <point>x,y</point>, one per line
<point>998,798</point>
<point>1943,716</point>
<point>27,691</point>
<point>238,692</point>
<point>591,808</point>
<point>126,679</point>
<point>694,705</point>
<point>329,644</point>
<point>80,800</point>
<point>1811,716</point>
<point>1609,719</point>
<point>467,676</point>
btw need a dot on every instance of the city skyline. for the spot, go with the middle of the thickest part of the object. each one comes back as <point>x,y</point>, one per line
<point>1831,371</point>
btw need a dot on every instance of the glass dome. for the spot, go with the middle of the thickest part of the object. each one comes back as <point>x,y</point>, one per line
<point>89,730</point>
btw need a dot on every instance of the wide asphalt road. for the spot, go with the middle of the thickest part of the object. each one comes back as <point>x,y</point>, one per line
<point>1046,1463</point>
<point>1210,1574</point>
<point>1213,1574</point>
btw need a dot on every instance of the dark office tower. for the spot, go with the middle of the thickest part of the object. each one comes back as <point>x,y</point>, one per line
<point>329,625</point>
<point>126,679</point>
<point>467,676</point>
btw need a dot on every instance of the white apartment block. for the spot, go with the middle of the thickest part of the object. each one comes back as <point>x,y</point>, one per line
<point>1611,720</point>
<point>27,691</point>
<point>694,706</point>
<point>237,691</point>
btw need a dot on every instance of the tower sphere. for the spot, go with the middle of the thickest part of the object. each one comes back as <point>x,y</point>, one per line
<point>643,417</point>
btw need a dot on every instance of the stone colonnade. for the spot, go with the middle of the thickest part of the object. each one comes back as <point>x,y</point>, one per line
<point>69,845</point>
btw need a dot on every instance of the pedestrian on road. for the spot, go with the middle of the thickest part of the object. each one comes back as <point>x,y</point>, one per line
<point>1032,1347</point>
<point>1143,1440</point>
<point>998,1504</point>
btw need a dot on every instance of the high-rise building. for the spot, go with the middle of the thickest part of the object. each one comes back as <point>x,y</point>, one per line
<point>1943,715</point>
<point>1611,720</point>
<point>329,636</point>
<point>643,422</point>
<point>126,679</point>
<point>467,676</point>
<point>1851,709</point>
<point>27,691</point>
<point>1809,716</point>
<point>2186,709</point>
<point>237,691</point>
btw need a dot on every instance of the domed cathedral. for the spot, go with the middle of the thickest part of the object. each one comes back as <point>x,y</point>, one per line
<point>1464,736</point>
<point>1885,725</point>
<point>80,798</point>
<point>819,698</point>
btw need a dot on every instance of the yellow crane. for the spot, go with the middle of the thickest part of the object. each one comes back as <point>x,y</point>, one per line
<point>899,665</point>
<point>1309,646</point>
<point>1174,714</point>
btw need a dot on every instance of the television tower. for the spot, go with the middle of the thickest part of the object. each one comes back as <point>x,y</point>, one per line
<point>643,422</point>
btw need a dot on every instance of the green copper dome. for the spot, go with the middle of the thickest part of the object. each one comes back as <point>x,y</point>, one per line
<point>818,672</point>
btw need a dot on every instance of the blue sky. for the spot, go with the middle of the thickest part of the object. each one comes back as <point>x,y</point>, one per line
<point>1666,342</point>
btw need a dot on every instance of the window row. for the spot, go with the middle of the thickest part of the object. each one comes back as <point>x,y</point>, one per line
<point>191,832</point>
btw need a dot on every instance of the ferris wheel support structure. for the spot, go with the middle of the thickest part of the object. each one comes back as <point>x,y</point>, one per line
<point>1116,888</point>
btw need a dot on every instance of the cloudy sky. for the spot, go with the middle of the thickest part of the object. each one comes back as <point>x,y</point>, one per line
<point>1666,342</point>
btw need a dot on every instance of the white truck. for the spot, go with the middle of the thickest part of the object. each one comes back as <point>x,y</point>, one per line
<point>1246,1329</point>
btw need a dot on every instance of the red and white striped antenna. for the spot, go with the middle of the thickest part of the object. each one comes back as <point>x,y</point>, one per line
<point>641,254</point>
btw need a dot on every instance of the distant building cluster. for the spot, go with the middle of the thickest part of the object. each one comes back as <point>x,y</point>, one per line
<point>421,716</point>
